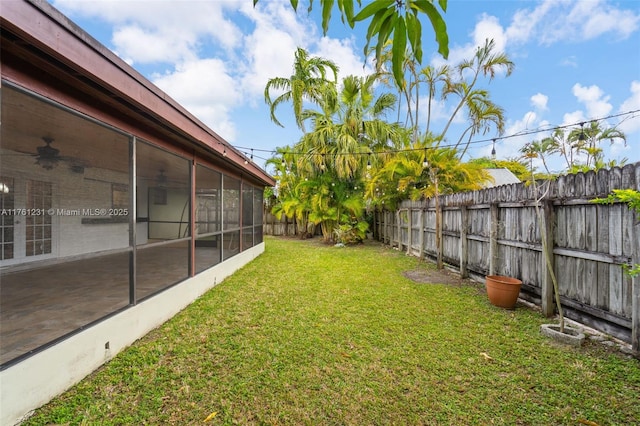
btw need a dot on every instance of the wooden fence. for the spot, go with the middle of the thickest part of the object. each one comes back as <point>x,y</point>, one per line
<point>274,226</point>
<point>496,231</point>
<point>284,226</point>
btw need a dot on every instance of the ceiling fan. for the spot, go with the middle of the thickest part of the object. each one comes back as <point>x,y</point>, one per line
<point>48,157</point>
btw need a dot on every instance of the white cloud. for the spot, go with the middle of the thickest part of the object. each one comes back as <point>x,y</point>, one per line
<point>207,90</point>
<point>570,61</point>
<point>220,54</point>
<point>574,117</point>
<point>524,23</point>
<point>597,19</point>
<point>161,31</point>
<point>539,101</point>
<point>550,22</point>
<point>343,53</point>
<point>594,99</point>
<point>509,148</point>
<point>553,21</point>
<point>528,122</point>
<point>441,112</point>
<point>489,28</point>
<point>140,46</point>
<point>269,49</point>
<point>632,123</point>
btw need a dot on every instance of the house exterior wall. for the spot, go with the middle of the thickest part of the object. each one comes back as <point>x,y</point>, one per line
<point>105,116</point>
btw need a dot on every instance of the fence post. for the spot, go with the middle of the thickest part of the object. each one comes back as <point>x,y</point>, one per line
<point>383,226</point>
<point>464,244</point>
<point>635,291</point>
<point>399,229</point>
<point>409,230</point>
<point>493,238</point>
<point>439,232</point>
<point>421,238</point>
<point>273,225</point>
<point>546,231</point>
<point>387,219</point>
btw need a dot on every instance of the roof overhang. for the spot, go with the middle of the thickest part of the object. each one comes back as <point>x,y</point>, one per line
<point>37,32</point>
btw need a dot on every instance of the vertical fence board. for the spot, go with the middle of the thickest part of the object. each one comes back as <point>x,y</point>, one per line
<point>561,228</point>
<point>615,248</point>
<point>602,300</point>
<point>590,228</point>
<point>628,221</point>
<point>580,226</point>
<point>464,243</point>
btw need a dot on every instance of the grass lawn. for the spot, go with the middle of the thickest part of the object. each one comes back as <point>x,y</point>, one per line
<point>314,334</point>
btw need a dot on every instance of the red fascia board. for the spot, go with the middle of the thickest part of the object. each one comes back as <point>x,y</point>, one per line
<point>48,29</point>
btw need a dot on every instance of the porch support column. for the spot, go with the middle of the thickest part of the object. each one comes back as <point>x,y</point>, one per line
<point>133,211</point>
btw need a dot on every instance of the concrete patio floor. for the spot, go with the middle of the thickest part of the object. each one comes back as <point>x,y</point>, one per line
<point>40,305</point>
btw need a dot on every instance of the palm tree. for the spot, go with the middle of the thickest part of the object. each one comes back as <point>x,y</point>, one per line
<point>332,157</point>
<point>433,76</point>
<point>307,82</point>
<point>484,62</point>
<point>587,141</point>
<point>459,81</point>
<point>540,150</point>
<point>336,203</point>
<point>349,126</point>
<point>579,148</point>
<point>293,199</point>
<point>558,143</point>
<point>482,113</point>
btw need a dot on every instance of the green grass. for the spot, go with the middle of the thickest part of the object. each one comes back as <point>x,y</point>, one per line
<point>314,334</point>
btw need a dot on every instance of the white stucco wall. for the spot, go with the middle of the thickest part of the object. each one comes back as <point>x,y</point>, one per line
<point>36,380</point>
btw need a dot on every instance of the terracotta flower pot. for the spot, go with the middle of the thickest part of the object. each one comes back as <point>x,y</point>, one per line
<point>503,291</point>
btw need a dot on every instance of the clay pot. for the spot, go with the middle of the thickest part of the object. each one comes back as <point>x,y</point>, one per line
<point>503,291</point>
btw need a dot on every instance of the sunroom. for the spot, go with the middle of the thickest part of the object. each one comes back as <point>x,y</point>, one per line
<point>118,207</point>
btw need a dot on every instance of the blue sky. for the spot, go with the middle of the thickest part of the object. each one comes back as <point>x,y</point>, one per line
<point>574,61</point>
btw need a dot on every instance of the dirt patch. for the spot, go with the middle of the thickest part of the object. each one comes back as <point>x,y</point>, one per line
<point>425,276</point>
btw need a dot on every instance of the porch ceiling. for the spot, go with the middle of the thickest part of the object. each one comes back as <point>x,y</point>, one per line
<point>27,120</point>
